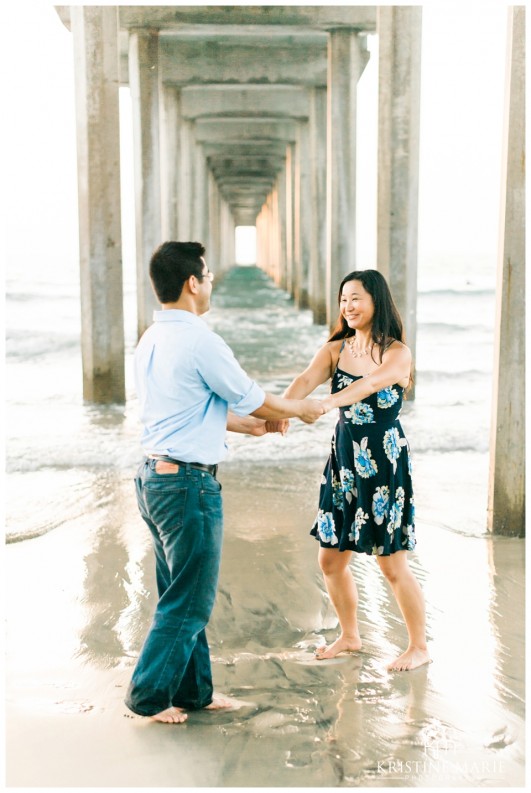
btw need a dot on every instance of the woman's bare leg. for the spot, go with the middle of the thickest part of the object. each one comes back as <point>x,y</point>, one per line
<point>343,593</point>
<point>410,599</point>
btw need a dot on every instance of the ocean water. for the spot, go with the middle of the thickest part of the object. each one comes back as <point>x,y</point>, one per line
<point>59,450</point>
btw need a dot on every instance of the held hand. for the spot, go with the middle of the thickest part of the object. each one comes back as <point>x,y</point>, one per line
<point>311,410</point>
<point>258,427</point>
<point>326,404</point>
<point>279,425</point>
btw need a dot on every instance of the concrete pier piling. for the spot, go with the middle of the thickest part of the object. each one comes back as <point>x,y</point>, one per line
<point>144,81</point>
<point>95,33</point>
<point>506,503</point>
<point>347,58</point>
<point>399,34</point>
<point>317,134</point>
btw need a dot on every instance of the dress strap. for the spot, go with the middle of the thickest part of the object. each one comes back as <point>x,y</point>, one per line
<point>339,356</point>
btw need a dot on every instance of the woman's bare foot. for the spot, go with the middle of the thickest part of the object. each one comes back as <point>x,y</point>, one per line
<point>411,659</point>
<point>171,715</point>
<point>219,702</point>
<point>343,644</point>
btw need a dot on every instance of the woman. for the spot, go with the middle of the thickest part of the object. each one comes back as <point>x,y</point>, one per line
<point>366,499</point>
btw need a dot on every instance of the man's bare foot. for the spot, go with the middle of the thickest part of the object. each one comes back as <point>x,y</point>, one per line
<point>343,644</point>
<point>219,702</point>
<point>411,659</point>
<point>171,715</point>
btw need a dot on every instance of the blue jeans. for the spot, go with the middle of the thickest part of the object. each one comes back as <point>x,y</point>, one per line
<point>185,516</point>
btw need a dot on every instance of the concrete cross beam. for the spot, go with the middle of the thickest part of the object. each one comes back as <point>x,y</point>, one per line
<point>245,18</point>
<point>269,149</point>
<point>247,189</point>
<point>250,163</point>
<point>250,177</point>
<point>245,130</point>
<point>250,186</point>
<point>250,59</point>
<point>253,180</point>
<point>232,100</point>
<point>313,17</point>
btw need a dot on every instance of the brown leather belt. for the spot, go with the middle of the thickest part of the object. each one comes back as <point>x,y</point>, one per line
<point>210,469</point>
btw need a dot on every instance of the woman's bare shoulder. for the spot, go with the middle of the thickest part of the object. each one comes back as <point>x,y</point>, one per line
<point>334,349</point>
<point>330,349</point>
<point>398,348</point>
<point>334,346</point>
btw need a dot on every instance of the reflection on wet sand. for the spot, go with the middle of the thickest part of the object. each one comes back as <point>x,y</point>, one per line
<point>302,722</point>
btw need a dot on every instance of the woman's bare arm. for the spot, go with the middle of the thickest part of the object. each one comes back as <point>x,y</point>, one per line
<point>318,372</point>
<point>395,366</point>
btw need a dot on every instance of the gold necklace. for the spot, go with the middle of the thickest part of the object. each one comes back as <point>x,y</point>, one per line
<point>358,353</point>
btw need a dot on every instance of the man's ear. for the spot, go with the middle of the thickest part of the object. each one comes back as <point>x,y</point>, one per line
<point>191,285</point>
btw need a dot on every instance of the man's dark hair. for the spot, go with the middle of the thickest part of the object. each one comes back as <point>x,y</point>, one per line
<point>171,265</point>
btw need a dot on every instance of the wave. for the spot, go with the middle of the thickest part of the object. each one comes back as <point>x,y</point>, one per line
<point>453,327</point>
<point>467,448</point>
<point>481,292</point>
<point>469,374</point>
<point>31,534</point>
<point>477,534</point>
<point>28,346</point>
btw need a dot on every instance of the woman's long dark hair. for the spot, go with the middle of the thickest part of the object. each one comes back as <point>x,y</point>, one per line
<point>387,325</point>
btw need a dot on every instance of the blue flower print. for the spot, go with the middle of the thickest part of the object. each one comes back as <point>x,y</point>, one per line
<point>365,465</point>
<point>348,484</point>
<point>412,510</point>
<point>392,444</point>
<point>409,538</point>
<point>380,504</point>
<point>337,493</point>
<point>326,527</point>
<point>360,518</point>
<point>377,551</point>
<point>360,413</point>
<point>387,397</point>
<point>395,513</point>
<point>343,381</point>
<point>409,464</point>
<point>395,516</point>
<point>347,479</point>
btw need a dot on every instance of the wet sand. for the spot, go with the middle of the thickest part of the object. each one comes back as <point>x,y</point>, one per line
<point>79,603</point>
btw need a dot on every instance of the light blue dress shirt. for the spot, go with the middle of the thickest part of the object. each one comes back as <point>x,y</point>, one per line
<point>187,378</point>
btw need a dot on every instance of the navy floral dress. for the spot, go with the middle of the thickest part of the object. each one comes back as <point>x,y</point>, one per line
<point>366,499</point>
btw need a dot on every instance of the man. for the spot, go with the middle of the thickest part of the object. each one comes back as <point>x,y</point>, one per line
<point>187,378</point>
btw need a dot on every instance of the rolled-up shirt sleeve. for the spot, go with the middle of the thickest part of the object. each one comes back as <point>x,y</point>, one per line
<point>223,374</point>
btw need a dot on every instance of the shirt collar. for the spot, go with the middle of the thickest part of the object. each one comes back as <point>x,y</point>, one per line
<point>177,315</point>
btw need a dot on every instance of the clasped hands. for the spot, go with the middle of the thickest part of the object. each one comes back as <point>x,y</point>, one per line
<point>313,409</point>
